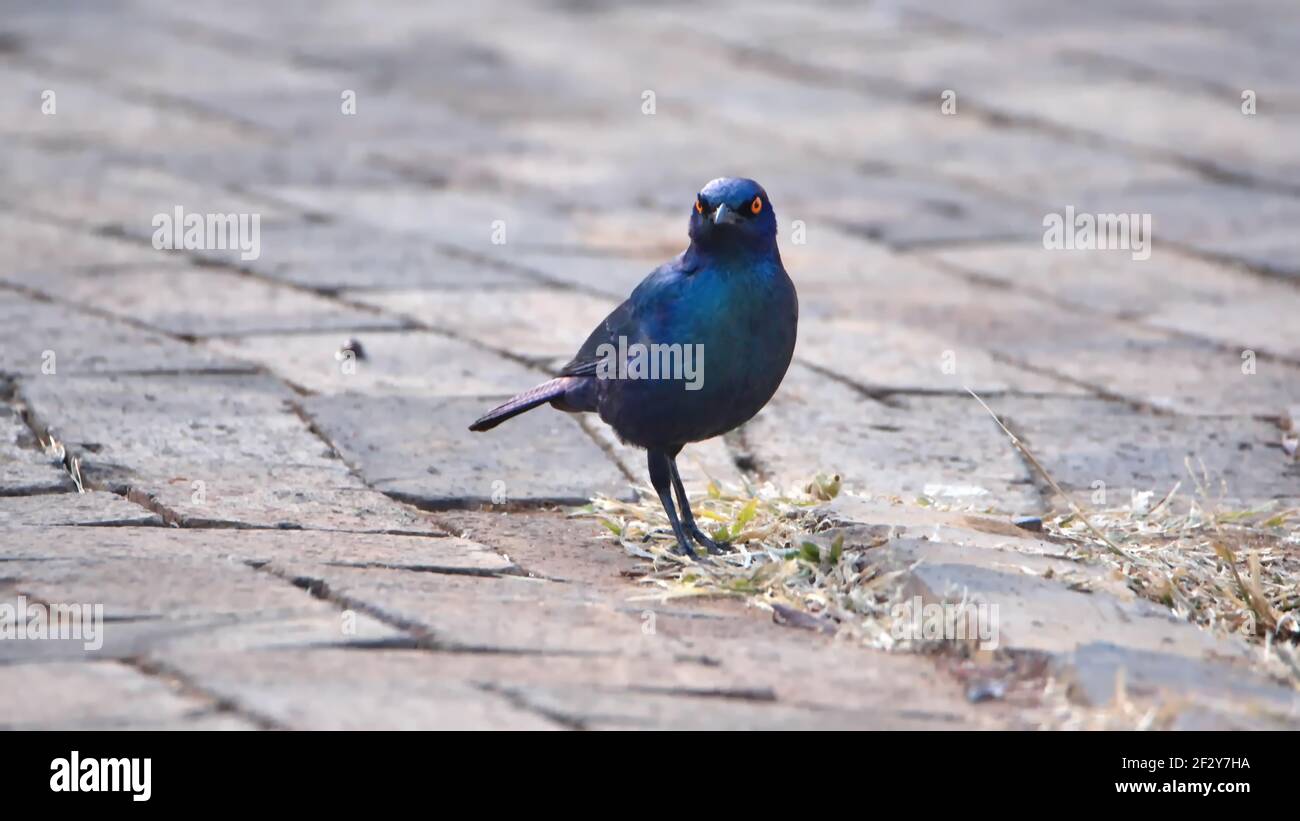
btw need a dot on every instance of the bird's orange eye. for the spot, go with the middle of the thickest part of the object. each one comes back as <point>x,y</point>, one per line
<point>756,205</point>
<point>699,207</point>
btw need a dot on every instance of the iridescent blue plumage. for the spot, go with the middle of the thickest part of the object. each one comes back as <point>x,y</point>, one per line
<point>726,299</point>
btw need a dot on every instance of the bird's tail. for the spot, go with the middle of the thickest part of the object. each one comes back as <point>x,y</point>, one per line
<point>525,401</point>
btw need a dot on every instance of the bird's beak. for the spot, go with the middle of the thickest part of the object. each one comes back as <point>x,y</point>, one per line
<point>725,215</point>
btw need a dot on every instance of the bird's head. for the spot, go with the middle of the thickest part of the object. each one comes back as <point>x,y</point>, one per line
<point>733,213</point>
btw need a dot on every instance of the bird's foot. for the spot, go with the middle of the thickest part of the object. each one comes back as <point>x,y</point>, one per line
<point>683,547</point>
<point>708,544</point>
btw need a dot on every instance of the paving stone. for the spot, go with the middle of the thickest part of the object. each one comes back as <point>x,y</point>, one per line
<point>104,195</point>
<point>1026,164</point>
<point>335,256</point>
<point>446,218</point>
<point>830,264</point>
<point>51,342</point>
<point>952,537</point>
<point>260,167</point>
<point>540,323</point>
<point>1191,55</point>
<point>593,708</point>
<point>34,248</point>
<point>116,121</point>
<point>885,357</point>
<point>503,614</point>
<point>842,121</point>
<point>1170,290</point>
<point>658,196</point>
<point>385,120</point>
<point>207,302</point>
<point>1179,376</point>
<point>403,362</point>
<point>908,212</point>
<point>1260,321</point>
<point>177,588</point>
<point>211,449</point>
<point>912,292</point>
<point>1033,613</point>
<point>1093,673</point>
<point>1143,365</point>
<point>915,48</point>
<point>159,52</point>
<point>104,695</point>
<point>442,554</point>
<point>611,276</point>
<point>1083,442</point>
<point>163,601</point>
<point>1206,130</point>
<point>603,644</point>
<point>24,468</point>
<point>1203,213</point>
<point>1201,719</point>
<point>1273,249</point>
<point>319,689</point>
<point>547,544</point>
<point>941,447</point>
<point>748,664</point>
<point>420,450</point>
<point>91,508</point>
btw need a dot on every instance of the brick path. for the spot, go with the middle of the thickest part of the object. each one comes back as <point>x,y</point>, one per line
<point>279,541</point>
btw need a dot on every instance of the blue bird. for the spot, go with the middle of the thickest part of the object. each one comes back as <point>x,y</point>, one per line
<point>699,347</point>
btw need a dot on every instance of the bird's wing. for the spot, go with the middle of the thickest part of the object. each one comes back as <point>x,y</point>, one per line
<point>625,320</point>
<point>620,322</point>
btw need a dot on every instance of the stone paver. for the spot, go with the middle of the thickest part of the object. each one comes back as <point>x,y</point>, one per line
<point>92,508</point>
<point>417,363</point>
<point>210,450</point>
<point>532,322</point>
<point>48,340</point>
<point>24,467</point>
<point>34,247</point>
<point>416,449</point>
<point>943,447</point>
<point>207,302</point>
<point>106,695</point>
<point>403,692</point>
<point>1131,453</point>
<point>332,256</point>
<point>252,518</point>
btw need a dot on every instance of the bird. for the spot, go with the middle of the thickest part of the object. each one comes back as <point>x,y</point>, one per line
<point>725,302</point>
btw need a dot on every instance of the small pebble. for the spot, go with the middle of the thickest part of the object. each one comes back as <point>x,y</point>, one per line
<point>991,690</point>
<point>352,346</point>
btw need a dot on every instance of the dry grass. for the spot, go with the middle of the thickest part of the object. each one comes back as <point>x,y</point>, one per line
<point>776,563</point>
<point>1231,572</point>
<point>1235,572</point>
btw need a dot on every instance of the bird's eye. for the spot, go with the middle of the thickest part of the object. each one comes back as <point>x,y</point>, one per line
<point>756,206</point>
<point>699,205</point>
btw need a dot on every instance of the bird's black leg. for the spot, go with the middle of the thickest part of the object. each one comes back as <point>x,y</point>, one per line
<point>688,518</point>
<point>662,474</point>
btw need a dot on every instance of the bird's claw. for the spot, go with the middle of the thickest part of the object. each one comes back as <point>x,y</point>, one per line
<point>685,550</point>
<point>716,548</point>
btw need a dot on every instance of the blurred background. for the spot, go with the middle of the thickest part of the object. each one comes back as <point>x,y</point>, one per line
<point>440,200</point>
